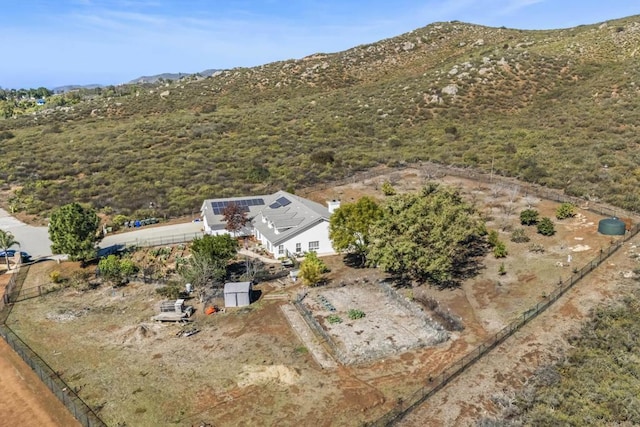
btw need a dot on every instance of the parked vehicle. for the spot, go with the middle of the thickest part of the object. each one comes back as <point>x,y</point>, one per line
<point>12,252</point>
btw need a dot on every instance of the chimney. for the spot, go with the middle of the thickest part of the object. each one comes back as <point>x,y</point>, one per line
<point>332,205</point>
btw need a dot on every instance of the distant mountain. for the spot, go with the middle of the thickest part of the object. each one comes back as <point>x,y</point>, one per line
<point>139,80</point>
<point>170,76</point>
<point>67,88</point>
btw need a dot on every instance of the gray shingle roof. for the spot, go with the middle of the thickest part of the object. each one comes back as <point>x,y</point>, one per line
<point>282,216</point>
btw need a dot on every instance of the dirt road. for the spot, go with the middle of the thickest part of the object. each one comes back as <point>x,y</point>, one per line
<point>24,400</point>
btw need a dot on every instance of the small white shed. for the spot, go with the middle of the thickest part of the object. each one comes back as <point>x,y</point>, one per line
<point>237,294</point>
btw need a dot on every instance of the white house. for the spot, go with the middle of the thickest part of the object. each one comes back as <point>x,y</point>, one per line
<point>284,223</point>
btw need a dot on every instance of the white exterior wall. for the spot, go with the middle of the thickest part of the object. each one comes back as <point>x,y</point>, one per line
<point>319,233</point>
<point>208,230</point>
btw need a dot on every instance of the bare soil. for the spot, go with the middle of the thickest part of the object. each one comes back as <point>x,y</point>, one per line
<point>24,399</point>
<point>248,367</point>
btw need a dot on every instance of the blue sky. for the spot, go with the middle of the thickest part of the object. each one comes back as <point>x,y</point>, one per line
<point>57,42</point>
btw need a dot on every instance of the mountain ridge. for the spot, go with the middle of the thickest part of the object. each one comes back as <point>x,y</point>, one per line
<point>556,107</point>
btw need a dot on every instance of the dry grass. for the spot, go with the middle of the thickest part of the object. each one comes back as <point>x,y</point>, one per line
<point>247,365</point>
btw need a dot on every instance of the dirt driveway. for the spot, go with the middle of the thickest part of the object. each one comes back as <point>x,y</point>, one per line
<point>24,400</point>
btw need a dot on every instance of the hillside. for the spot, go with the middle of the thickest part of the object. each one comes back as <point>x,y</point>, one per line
<point>560,108</point>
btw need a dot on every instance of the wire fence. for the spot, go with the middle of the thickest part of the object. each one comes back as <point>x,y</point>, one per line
<point>151,242</point>
<point>87,417</point>
<point>434,171</point>
<point>5,304</point>
<point>436,382</point>
<point>78,408</point>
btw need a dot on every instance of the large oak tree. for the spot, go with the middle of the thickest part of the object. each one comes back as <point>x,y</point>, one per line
<point>428,236</point>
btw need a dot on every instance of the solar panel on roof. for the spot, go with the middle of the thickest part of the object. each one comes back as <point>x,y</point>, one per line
<point>274,205</point>
<point>221,205</point>
<point>283,201</point>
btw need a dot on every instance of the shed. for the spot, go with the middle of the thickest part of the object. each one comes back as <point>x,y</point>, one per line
<point>237,294</point>
<point>611,227</point>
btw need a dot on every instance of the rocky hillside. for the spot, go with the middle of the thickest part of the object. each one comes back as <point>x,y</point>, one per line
<point>558,107</point>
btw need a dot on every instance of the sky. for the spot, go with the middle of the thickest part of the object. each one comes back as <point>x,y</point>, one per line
<point>53,43</point>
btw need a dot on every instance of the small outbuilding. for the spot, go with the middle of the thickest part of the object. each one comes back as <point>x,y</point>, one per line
<point>237,294</point>
<point>611,227</point>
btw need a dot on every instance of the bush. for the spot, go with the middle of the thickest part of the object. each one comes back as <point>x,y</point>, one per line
<point>493,238</point>
<point>500,250</point>
<point>55,276</point>
<point>565,210</point>
<point>502,270</point>
<point>387,189</point>
<point>356,314</point>
<point>334,318</point>
<point>172,290</point>
<point>519,236</point>
<point>546,227</point>
<point>529,217</point>
<point>537,248</point>
<point>5,134</point>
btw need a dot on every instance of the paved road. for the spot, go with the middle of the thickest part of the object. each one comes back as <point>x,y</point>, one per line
<point>160,235</point>
<point>33,240</point>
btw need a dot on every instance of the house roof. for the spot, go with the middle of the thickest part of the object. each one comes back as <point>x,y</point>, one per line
<point>287,216</point>
<point>212,209</point>
<point>237,287</point>
<point>278,217</point>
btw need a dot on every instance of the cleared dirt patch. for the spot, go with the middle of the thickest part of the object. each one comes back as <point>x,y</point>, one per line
<point>388,327</point>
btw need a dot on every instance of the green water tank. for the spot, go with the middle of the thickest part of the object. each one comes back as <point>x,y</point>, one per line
<point>611,227</point>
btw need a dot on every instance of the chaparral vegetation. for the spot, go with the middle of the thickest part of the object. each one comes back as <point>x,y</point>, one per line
<point>442,244</point>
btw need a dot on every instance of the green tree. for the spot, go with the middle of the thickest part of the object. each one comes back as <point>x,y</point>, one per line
<point>6,109</point>
<point>546,227</point>
<point>351,224</point>
<point>200,271</point>
<point>529,217</point>
<point>73,231</point>
<point>312,269</point>
<point>116,270</point>
<point>7,240</point>
<point>219,249</point>
<point>428,236</point>
<point>566,210</point>
<point>208,262</point>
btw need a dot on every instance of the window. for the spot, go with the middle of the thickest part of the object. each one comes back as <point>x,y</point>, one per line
<point>314,246</point>
<point>281,250</point>
<point>298,248</point>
